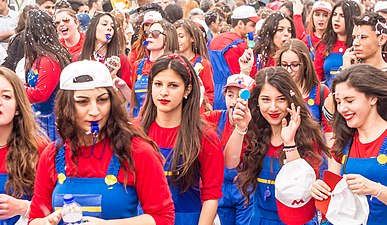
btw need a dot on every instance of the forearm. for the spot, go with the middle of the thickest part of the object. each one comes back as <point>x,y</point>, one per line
<point>233,149</point>
<point>144,219</point>
<point>291,151</point>
<point>4,36</point>
<point>380,192</point>
<point>208,213</point>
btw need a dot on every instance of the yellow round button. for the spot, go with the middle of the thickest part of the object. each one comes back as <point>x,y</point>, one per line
<point>61,178</point>
<point>382,159</point>
<point>310,102</point>
<point>110,179</point>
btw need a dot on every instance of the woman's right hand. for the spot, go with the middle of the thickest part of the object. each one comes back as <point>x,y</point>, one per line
<point>320,190</point>
<point>241,114</point>
<point>246,60</point>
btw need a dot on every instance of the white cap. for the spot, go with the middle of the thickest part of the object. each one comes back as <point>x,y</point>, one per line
<point>245,12</point>
<point>322,5</point>
<point>152,16</point>
<point>241,81</point>
<point>380,6</point>
<point>85,75</point>
<point>346,207</point>
<point>292,191</point>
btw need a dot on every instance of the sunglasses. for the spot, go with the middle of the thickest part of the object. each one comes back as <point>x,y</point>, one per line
<point>154,33</point>
<point>64,20</point>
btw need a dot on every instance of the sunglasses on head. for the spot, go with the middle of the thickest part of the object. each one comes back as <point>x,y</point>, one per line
<point>154,33</point>
<point>64,20</point>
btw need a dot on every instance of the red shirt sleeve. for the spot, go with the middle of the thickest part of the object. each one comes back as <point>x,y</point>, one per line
<point>208,82</point>
<point>150,177</point>
<point>211,166</point>
<point>125,68</point>
<point>319,61</point>
<point>324,121</point>
<point>48,79</point>
<point>232,55</point>
<point>299,25</point>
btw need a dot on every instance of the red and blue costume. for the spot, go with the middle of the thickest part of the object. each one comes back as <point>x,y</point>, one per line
<point>87,182</point>
<point>205,75</point>
<point>42,86</point>
<point>232,209</point>
<point>209,178</point>
<point>327,63</point>
<point>362,159</point>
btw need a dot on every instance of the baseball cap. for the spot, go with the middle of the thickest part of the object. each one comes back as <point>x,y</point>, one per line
<point>85,75</point>
<point>152,16</point>
<point>292,191</point>
<point>380,6</point>
<point>322,5</point>
<point>245,12</point>
<point>240,80</point>
<point>343,207</point>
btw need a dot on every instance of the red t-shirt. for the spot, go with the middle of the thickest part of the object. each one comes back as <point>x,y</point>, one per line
<point>321,54</point>
<point>210,158</point>
<point>149,176</point>
<point>213,118</point>
<point>49,73</point>
<point>206,75</point>
<point>76,49</point>
<point>145,71</point>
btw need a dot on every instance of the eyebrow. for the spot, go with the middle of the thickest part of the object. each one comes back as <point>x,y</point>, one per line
<point>85,96</point>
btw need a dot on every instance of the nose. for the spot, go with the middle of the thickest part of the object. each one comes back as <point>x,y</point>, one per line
<point>289,68</point>
<point>93,109</point>
<point>273,105</point>
<point>356,41</point>
<point>164,91</point>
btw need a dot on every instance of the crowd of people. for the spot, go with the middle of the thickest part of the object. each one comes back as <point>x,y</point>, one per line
<point>194,112</point>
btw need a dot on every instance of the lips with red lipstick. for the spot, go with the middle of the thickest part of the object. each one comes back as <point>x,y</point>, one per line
<point>336,26</point>
<point>164,101</point>
<point>348,117</point>
<point>274,116</point>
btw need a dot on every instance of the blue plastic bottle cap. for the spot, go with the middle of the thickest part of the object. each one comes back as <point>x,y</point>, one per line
<point>244,94</point>
<point>68,198</point>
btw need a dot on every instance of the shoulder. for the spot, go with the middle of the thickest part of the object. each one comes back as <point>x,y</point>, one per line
<point>210,138</point>
<point>48,152</point>
<point>143,150</point>
<point>212,116</point>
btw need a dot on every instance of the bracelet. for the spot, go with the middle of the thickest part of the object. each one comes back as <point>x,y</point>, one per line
<point>28,209</point>
<point>380,192</point>
<point>289,149</point>
<point>241,132</point>
<point>290,146</point>
<point>246,72</point>
<point>328,115</point>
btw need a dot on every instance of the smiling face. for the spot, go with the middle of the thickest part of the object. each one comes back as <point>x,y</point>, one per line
<point>7,103</point>
<point>105,27</point>
<point>91,105</point>
<point>272,105</point>
<point>168,91</point>
<point>356,108</point>
<point>283,33</point>
<point>320,19</point>
<point>66,25</point>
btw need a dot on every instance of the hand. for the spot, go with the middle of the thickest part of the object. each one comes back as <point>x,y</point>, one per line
<point>320,190</point>
<point>298,7</point>
<point>241,114</point>
<point>361,185</point>
<point>53,218</point>
<point>113,64</point>
<point>246,61</point>
<point>329,104</point>
<point>88,220</point>
<point>119,83</point>
<point>349,57</point>
<point>10,206</point>
<point>288,131</point>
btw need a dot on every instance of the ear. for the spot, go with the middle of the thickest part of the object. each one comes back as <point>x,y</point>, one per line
<point>373,100</point>
<point>382,39</point>
<point>187,91</point>
<point>17,112</point>
<point>240,23</point>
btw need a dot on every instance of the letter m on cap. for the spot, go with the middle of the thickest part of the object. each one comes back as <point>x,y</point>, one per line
<point>297,202</point>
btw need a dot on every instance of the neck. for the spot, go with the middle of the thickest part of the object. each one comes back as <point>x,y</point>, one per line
<point>155,54</point>
<point>169,120</point>
<point>188,54</point>
<point>237,31</point>
<point>372,128</point>
<point>376,61</point>
<point>102,50</point>
<point>5,133</point>
<point>276,135</point>
<point>73,39</point>
<point>88,139</point>
<point>341,37</point>
<point>319,33</point>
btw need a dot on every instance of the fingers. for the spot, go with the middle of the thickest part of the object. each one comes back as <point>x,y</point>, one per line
<point>54,218</point>
<point>320,190</point>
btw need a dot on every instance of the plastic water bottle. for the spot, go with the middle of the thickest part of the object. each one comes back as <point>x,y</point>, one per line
<point>71,211</point>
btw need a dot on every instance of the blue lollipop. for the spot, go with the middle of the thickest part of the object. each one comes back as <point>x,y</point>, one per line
<point>243,93</point>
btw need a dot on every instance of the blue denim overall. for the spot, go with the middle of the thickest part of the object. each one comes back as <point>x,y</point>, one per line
<point>331,64</point>
<point>140,87</point>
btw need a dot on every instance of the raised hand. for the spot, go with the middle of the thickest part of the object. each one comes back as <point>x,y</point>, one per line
<point>288,131</point>
<point>241,114</point>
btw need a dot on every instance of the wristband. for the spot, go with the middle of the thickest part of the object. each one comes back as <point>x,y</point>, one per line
<point>380,192</point>
<point>28,209</point>
<point>290,146</point>
<point>241,132</point>
<point>289,149</point>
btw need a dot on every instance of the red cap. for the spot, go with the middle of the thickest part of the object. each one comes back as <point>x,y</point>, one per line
<point>296,216</point>
<point>331,179</point>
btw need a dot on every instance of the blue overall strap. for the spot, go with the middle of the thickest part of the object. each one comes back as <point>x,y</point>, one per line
<point>198,60</point>
<point>114,166</point>
<point>221,124</point>
<point>60,160</point>
<point>140,67</point>
<point>312,50</point>
<point>231,45</point>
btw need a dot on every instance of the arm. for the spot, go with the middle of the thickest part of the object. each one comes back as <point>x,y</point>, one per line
<point>232,151</point>
<point>319,62</point>
<point>208,81</point>
<point>122,86</point>
<point>208,213</point>
<point>48,80</point>
<point>4,36</point>
<point>363,186</point>
<point>288,132</point>
<point>298,8</point>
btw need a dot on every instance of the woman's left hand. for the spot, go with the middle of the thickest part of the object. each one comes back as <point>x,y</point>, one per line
<point>288,131</point>
<point>361,185</point>
<point>10,206</point>
<point>88,220</point>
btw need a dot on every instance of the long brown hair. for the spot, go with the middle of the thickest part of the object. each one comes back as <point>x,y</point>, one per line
<point>365,79</point>
<point>308,74</point>
<point>23,141</point>
<point>308,135</point>
<point>184,161</point>
<point>116,129</point>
